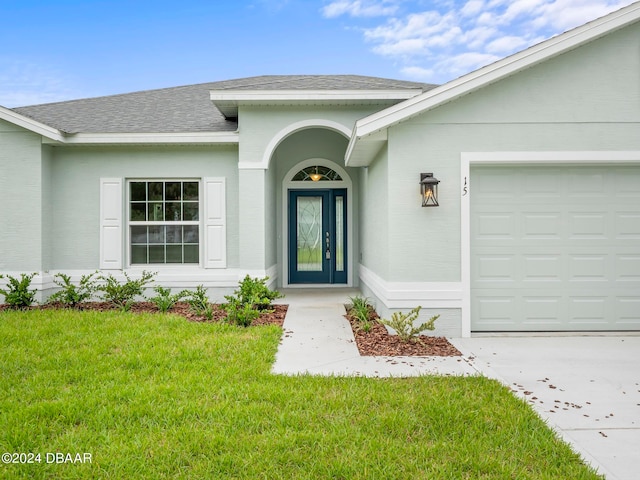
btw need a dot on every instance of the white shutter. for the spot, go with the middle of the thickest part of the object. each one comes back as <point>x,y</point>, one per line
<point>215,223</point>
<point>111,223</point>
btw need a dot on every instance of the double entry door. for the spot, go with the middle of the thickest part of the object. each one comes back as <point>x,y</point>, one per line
<point>318,236</point>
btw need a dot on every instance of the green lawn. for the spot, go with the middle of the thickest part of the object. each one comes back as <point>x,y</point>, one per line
<point>152,396</point>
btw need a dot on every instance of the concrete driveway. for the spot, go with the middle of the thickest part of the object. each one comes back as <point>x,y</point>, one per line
<point>587,388</point>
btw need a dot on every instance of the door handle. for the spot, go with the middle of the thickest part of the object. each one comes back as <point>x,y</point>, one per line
<point>327,252</point>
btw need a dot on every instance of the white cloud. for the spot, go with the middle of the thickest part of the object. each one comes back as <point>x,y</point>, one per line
<point>24,83</point>
<point>418,73</point>
<point>360,8</point>
<point>437,40</point>
<point>506,45</point>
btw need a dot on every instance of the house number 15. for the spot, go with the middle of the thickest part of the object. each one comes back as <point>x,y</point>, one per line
<point>465,190</point>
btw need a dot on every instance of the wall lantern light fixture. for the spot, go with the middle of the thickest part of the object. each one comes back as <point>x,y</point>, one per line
<point>429,190</point>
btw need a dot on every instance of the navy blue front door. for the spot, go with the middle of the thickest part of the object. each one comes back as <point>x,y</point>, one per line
<point>318,236</point>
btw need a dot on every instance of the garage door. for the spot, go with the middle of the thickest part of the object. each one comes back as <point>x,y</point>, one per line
<point>555,248</point>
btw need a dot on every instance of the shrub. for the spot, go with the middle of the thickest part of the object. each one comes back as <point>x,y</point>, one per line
<point>238,313</point>
<point>71,295</point>
<point>251,297</point>
<point>122,295</point>
<point>164,300</point>
<point>254,291</point>
<point>402,323</point>
<point>199,302</point>
<point>17,294</point>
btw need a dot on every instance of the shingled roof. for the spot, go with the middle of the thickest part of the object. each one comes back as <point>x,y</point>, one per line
<point>186,108</point>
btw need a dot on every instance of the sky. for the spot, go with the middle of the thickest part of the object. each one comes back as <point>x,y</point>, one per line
<point>70,49</point>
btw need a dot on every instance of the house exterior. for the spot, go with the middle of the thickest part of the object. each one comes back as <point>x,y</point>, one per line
<point>314,182</point>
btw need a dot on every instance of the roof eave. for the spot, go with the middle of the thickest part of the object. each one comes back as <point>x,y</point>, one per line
<point>366,127</point>
<point>227,101</point>
<point>34,126</point>
<point>161,138</point>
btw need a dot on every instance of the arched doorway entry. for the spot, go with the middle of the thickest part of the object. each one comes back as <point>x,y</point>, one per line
<point>318,211</point>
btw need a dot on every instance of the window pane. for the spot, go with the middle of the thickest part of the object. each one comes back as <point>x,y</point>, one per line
<point>174,234</point>
<point>174,253</point>
<point>169,204</point>
<point>310,248</point>
<point>139,254</point>
<point>138,234</point>
<point>339,234</point>
<point>138,212</point>
<point>155,191</point>
<point>172,212</point>
<point>156,253</point>
<point>190,191</point>
<point>156,234</point>
<point>172,191</point>
<point>190,211</point>
<point>191,254</point>
<point>190,233</point>
<point>156,213</point>
<point>138,191</point>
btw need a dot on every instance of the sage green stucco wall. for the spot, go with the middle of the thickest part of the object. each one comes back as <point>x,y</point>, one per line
<point>586,99</point>
<point>374,216</point>
<point>47,207</point>
<point>75,199</point>
<point>21,199</point>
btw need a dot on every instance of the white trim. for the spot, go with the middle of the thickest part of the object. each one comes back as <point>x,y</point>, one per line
<point>290,129</point>
<point>169,277</point>
<point>288,95</point>
<point>437,295</point>
<point>32,125</point>
<point>228,101</point>
<point>490,74</point>
<point>288,184</point>
<point>204,138</point>
<point>516,158</point>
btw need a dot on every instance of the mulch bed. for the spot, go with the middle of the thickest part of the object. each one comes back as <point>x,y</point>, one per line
<point>378,342</point>
<point>275,317</point>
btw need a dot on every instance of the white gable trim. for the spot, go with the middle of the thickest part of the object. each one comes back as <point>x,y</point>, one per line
<point>484,76</point>
<point>522,158</point>
<point>32,125</point>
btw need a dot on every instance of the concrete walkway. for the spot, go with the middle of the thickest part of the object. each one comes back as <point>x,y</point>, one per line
<point>587,388</point>
<point>318,340</point>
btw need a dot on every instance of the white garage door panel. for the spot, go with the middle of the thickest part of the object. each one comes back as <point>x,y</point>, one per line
<point>555,248</point>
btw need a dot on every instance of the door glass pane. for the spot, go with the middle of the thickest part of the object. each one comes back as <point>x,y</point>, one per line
<point>309,234</point>
<point>339,253</point>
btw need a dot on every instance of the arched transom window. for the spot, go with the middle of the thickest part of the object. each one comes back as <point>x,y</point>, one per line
<point>317,173</point>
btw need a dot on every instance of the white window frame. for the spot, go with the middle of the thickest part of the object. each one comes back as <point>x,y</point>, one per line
<point>128,223</point>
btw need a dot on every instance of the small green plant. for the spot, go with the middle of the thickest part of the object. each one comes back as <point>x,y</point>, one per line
<point>403,324</point>
<point>17,294</point>
<point>238,313</point>
<point>164,300</point>
<point>254,291</point>
<point>198,301</point>
<point>246,303</point>
<point>71,295</point>
<point>361,309</point>
<point>122,295</point>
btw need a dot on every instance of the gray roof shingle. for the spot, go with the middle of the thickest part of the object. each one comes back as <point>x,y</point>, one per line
<point>186,108</point>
